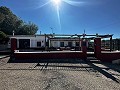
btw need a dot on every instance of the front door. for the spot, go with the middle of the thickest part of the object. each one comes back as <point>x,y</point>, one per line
<point>24,43</point>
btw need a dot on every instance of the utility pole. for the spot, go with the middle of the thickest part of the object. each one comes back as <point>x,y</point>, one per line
<point>84,31</point>
<point>40,32</point>
<point>51,29</point>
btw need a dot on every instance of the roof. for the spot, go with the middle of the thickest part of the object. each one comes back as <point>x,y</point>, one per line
<point>66,35</point>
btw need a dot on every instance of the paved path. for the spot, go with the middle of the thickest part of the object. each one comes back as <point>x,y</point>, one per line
<point>59,76</point>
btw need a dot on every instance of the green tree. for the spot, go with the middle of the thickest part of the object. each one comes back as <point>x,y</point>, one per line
<point>4,10</point>
<point>10,22</point>
<point>2,17</point>
<point>28,29</point>
<point>2,35</point>
<point>3,38</point>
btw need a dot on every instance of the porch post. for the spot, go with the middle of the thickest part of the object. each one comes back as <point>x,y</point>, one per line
<point>13,44</point>
<point>110,43</point>
<point>84,48</point>
<point>97,47</point>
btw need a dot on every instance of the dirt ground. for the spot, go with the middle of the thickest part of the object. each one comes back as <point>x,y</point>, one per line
<point>75,75</point>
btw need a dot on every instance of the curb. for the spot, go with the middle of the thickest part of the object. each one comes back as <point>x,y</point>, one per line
<point>4,57</point>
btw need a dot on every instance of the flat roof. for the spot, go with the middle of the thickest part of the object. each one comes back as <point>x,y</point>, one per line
<point>89,36</point>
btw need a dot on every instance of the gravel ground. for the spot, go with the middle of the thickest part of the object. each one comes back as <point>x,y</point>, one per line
<point>59,76</point>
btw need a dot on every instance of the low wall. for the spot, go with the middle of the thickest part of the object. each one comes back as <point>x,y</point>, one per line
<point>109,56</point>
<point>49,55</point>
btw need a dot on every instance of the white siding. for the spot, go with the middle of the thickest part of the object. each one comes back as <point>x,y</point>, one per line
<point>65,43</point>
<point>33,40</point>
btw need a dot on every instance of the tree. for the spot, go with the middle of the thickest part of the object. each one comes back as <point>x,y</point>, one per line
<point>10,22</point>
<point>2,17</point>
<point>3,37</point>
<point>5,10</point>
<point>28,28</point>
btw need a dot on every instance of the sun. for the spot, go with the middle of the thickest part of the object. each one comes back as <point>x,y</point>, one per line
<point>56,2</point>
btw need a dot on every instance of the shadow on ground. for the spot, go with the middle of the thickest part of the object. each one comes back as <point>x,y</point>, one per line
<point>103,72</point>
<point>89,62</point>
<point>45,61</point>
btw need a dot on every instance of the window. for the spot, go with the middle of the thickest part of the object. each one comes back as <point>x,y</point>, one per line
<point>77,43</point>
<point>38,44</point>
<point>69,44</point>
<point>24,43</point>
<point>61,44</point>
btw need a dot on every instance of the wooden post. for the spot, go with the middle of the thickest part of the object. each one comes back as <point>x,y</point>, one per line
<point>84,47</point>
<point>45,41</point>
<point>79,43</point>
<point>110,43</point>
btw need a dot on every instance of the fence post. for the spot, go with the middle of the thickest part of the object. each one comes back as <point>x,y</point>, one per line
<point>97,47</point>
<point>84,48</point>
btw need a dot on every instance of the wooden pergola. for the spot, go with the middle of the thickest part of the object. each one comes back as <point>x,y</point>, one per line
<point>80,36</point>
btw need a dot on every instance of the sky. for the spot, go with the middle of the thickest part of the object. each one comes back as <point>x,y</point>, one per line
<point>69,16</point>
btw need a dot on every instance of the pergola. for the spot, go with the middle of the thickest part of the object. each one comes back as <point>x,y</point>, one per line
<point>80,36</point>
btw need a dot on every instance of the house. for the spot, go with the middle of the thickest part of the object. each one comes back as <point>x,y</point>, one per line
<point>29,41</point>
<point>46,40</point>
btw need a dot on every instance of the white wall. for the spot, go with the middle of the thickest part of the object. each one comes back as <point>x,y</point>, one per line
<point>65,43</point>
<point>33,40</point>
<point>57,43</point>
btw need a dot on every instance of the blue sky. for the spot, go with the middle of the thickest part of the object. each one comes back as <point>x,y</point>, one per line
<point>72,17</point>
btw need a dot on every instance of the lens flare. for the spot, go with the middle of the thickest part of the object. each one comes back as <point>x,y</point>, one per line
<point>57,5</point>
<point>43,5</point>
<point>58,15</point>
<point>74,3</point>
<point>56,2</point>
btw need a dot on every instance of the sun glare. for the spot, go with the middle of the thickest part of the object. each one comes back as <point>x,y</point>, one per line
<point>56,2</point>
<point>57,5</point>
